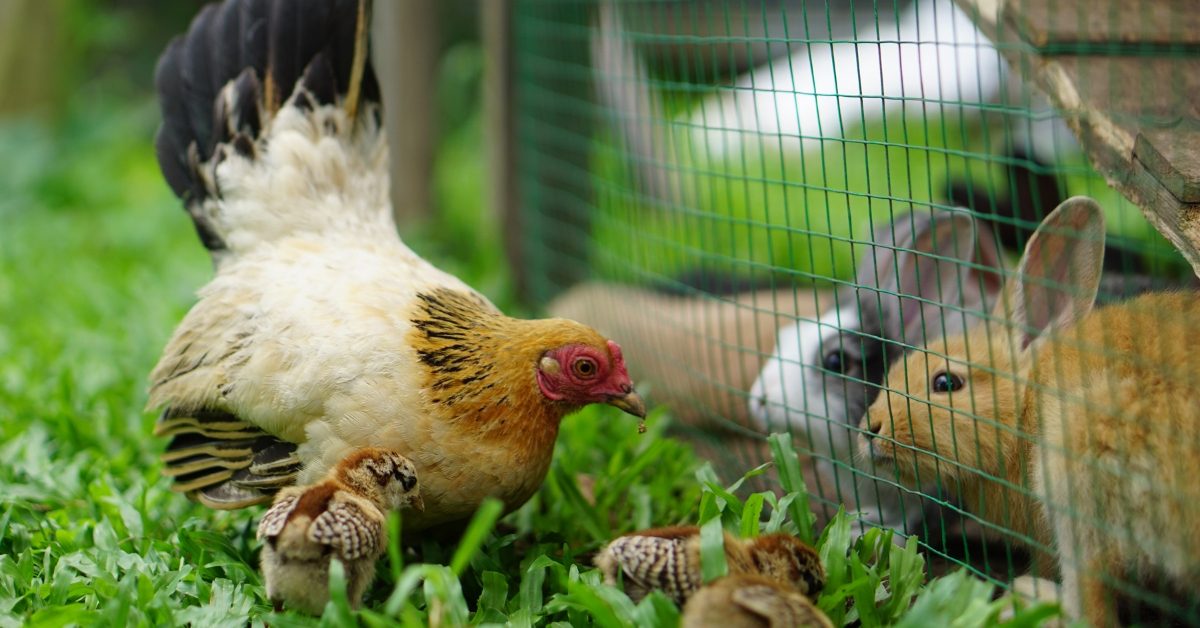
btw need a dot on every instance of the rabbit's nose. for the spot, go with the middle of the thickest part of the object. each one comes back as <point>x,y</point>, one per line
<point>760,402</point>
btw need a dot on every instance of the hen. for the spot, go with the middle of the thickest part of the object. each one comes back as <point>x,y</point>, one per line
<point>321,332</point>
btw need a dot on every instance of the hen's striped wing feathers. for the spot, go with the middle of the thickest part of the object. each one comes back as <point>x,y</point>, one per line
<point>222,461</point>
<point>205,423</point>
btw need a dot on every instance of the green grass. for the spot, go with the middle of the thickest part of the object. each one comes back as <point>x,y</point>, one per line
<point>97,265</point>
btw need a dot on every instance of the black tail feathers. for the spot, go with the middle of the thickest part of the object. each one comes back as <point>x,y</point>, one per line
<point>238,63</point>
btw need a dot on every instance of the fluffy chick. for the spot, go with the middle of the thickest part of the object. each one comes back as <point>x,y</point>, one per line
<point>668,560</point>
<point>751,601</point>
<point>340,518</point>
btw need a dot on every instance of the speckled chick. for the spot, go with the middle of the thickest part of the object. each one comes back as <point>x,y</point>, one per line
<point>340,518</point>
<point>751,601</point>
<point>668,559</point>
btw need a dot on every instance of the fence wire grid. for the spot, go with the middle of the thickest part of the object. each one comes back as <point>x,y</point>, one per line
<point>836,219</point>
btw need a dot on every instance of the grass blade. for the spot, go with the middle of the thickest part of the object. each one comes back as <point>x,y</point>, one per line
<point>406,584</point>
<point>531,584</point>
<point>728,502</point>
<point>712,550</point>
<point>589,518</point>
<point>792,478</point>
<point>338,608</point>
<point>752,515</point>
<point>477,532</point>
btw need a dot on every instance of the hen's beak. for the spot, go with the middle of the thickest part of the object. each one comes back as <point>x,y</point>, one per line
<point>630,402</point>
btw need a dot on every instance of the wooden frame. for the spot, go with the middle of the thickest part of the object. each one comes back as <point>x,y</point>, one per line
<point>1135,112</point>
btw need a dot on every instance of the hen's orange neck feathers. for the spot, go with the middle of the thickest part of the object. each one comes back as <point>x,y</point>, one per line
<point>481,366</point>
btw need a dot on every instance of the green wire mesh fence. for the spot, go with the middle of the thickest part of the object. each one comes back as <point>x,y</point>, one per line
<point>787,211</point>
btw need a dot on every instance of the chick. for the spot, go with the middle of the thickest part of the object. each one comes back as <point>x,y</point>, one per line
<point>750,601</point>
<point>340,518</point>
<point>668,559</point>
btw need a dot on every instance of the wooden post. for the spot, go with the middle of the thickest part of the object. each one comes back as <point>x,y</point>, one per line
<point>500,135</point>
<point>405,47</point>
<point>1135,114</point>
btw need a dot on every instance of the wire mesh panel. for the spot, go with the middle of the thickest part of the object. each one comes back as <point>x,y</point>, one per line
<point>837,219</point>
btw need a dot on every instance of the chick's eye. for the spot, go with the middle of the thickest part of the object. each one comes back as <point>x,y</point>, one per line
<point>946,382</point>
<point>405,480</point>
<point>584,367</point>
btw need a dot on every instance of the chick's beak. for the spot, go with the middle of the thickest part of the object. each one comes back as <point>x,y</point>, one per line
<point>630,402</point>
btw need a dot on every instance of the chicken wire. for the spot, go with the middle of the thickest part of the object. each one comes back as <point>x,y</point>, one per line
<point>697,178</point>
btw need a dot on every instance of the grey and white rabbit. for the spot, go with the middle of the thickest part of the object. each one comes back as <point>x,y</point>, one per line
<point>925,273</point>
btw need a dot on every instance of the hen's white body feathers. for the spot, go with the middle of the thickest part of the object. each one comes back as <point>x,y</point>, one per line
<point>320,174</point>
<point>304,330</point>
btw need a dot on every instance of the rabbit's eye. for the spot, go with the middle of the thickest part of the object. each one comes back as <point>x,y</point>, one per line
<point>946,382</point>
<point>834,362</point>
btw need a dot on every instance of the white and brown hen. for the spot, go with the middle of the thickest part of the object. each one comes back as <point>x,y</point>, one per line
<point>322,332</point>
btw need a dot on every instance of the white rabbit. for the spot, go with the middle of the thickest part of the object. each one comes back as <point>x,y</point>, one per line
<point>928,57</point>
<point>1068,426</point>
<point>931,57</point>
<point>825,371</point>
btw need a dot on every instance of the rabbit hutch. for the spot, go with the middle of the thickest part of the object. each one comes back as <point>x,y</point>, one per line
<point>950,246</point>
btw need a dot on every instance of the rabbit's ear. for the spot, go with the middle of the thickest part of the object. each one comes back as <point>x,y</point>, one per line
<point>1059,274</point>
<point>940,272</point>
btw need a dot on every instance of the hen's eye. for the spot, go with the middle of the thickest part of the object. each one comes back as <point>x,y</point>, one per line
<point>584,367</point>
<point>946,382</point>
<point>834,362</point>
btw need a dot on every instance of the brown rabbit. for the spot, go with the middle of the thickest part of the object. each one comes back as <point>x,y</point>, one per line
<point>1066,425</point>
